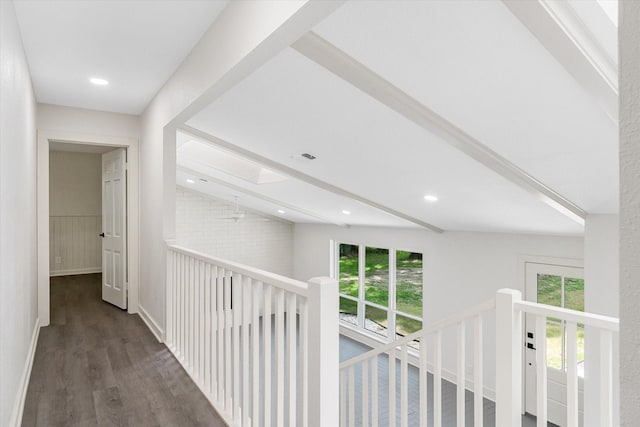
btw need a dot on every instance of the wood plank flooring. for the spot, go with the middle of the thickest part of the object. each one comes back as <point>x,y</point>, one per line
<point>96,365</point>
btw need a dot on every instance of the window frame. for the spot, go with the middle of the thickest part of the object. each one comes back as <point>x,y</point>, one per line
<point>362,302</point>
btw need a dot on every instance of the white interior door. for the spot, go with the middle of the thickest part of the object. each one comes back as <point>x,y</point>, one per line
<point>114,226</point>
<point>558,286</point>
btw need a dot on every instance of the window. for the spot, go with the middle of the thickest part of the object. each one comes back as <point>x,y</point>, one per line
<point>380,290</point>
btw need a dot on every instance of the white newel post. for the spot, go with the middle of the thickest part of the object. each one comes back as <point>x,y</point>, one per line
<point>508,359</point>
<point>324,347</point>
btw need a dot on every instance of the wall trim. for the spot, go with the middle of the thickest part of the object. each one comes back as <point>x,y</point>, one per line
<point>373,342</point>
<point>73,272</point>
<point>18,406</point>
<point>151,324</point>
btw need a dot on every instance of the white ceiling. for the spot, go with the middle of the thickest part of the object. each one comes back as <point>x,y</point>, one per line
<point>135,45</point>
<point>474,64</point>
<point>300,201</point>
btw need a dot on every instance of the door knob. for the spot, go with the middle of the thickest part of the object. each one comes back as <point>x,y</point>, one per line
<point>101,234</point>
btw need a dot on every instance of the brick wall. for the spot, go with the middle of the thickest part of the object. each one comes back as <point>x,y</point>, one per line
<point>255,240</point>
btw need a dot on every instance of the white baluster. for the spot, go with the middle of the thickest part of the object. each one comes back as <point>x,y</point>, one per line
<point>215,349</point>
<point>255,353</point>
<point>207,328</point>
<point>343,398</point>
<point>266,344</point>
<point>404,376</point>
<point>246,319</point>
<point>374,391</point>
<point>478,386</point>
<point>279,357</point>
<point>437,379</point>
<point>352,397</point>
<point>460,376</point>
<point>304,359</point>
<point>236,308</point>
<point>541,370</point>
<point>291,356</point>
<point>423,381</point>
<point>606,379</point>
<point>392,387</point>
<point>228,385</point>
<point>365,392</point>
<point>572,374</point>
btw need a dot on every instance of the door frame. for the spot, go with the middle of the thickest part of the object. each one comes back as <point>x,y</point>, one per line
<point>536,259</point>
<point>131,145</point>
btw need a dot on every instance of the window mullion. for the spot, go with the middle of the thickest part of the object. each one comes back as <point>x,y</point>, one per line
<point>361,271</point>
<point>391,313</point>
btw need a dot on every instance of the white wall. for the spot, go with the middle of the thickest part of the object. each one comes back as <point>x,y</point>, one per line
<point>69,124</point>
<point>79,120</point>
<point>18,267</point>
<point>629,41</point>
<point>263,242</point>
<point>75,212</point>
<point>253,31</point>
<point>461,269</point>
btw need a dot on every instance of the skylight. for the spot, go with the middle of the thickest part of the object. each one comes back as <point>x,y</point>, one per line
<point>224,161</point>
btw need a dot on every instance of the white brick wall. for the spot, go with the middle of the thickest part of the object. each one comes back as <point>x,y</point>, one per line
<point>255,240</point>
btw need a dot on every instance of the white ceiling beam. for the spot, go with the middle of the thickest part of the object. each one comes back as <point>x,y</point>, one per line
<point>220,143</point>
<point>259,196</point>
<point>344,66</point>
<point>246,35</point>
<point>562,32</point>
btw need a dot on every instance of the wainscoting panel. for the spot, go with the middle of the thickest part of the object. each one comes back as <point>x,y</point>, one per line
<point>74,244</point>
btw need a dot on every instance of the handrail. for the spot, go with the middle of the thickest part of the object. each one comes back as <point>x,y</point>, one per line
<point>439,325</point>
<point>597,320</point>
<point>286,283</point>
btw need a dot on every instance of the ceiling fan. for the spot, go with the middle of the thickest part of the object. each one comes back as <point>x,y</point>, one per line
<point>237,214</point>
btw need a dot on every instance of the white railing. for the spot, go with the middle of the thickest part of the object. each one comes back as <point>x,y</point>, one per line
<point>367,411</point>
<point>509,343</point>
<point>243,335</point>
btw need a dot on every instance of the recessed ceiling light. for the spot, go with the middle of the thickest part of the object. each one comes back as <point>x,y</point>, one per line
<point>280,211</point>
<point>98,81</point>
<point>431,198</point>
<point>346,212</point>
<point>190,181</point>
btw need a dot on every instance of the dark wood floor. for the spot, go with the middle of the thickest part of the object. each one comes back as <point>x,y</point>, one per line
<point>96,365</point>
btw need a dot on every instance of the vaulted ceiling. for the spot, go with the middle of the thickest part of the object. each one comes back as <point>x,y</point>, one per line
<point>504,110</point>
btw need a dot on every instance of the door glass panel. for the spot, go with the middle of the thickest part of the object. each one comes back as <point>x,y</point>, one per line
<point>550,293</point>
<point>554,344</point>
<point>574,293</point>
<point>376,276</point>
<point>574,299</point>
<point>375,320</point>
<point>550,290</point>
<point>349,310</point>
<point>349,270</point>
<point>409,282</point>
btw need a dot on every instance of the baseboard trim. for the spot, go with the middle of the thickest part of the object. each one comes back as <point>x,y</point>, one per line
<point>76,271</point>
<point>151,324</point>
<point>18,406</point>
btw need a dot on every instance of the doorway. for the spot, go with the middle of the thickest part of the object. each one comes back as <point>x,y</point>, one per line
<point>129,266</point>
<point>559,286</point>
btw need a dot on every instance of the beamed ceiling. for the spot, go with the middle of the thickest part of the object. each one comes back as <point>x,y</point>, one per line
<point>504,110</point>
